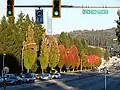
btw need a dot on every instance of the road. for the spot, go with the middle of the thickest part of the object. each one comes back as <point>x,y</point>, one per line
<point>89,83</point>
<point>93,83</point>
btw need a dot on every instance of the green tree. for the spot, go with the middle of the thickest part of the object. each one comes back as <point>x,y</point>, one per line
<point>54,53</point>
<point>85,45</point>
<point>34,67</point>
<point>106,55</point>
<point>29,59</point>
<point>30,49</point>
<point>66,40</point>
<point>44,56</point>
<point>79,45</point>
<point>117,30</point>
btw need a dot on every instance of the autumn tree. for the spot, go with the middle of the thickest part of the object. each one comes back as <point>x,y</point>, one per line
<point>78,62</point>
<point>61,60</point>
<point>75,53</point>
<point>44,56</point>
<point>69,58</point>
<point>54,53</point>
<point>30,49</point>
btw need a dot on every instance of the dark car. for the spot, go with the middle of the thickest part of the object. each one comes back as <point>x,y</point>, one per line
<point>108,72</point>
<point>29,78</point>
<point>12,79</point>
<point>19,80</point>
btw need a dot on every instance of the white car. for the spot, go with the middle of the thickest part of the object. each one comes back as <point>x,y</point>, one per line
<point>56,75</point>
<point>46,77</point>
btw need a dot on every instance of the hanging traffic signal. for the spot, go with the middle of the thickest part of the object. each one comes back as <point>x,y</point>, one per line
<point>10,8</point>
<point>56,9</point>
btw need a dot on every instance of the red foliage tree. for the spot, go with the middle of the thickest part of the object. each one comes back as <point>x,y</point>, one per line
<point>93,60</point>
<point>62,56</point>
<point>78,62</point>
<point>69,58</point>
<point>74,50</point>
<point>75,53</point>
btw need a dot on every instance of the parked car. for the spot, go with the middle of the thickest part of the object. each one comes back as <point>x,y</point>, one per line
<point>19,80</point>
<point>11,79</point>
<point>108,72</point>
<point>37,76</point>
<point>29,78</point>
<point>56,75</point>
<point>45,77</point>
<point>1,79</point>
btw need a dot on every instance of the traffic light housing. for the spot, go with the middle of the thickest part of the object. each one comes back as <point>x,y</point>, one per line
<point>56,9</point>
<point>10,8</point>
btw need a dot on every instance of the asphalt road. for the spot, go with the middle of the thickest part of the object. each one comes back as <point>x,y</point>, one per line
<point>89,83</point>
<point>92,83</point>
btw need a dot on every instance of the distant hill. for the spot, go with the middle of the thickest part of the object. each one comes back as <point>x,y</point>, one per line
<point>99,38</point>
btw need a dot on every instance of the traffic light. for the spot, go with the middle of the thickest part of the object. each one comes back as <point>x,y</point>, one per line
<point>56,9</point>
<point>10,8</point>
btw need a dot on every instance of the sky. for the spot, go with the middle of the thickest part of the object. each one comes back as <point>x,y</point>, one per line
<point>71,18</point>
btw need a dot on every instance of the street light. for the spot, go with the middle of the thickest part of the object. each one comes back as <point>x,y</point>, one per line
<point>105,76</point>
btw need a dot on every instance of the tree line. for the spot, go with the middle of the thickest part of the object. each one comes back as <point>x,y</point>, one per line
<point>64,52</point>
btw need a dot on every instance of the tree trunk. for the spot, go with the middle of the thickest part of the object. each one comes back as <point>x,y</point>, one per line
<point>28,70</point>
<point>81,65</point>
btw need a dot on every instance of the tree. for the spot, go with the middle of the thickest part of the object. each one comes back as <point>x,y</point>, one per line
<point>29,59</point>
<point>75,53</point>
<point>54,53</point>
<point>30,49</point>
<point>62,52</point>
<point>13,35</point>
<point>34,67</point>
<point>78,62</point>
<point>69,58</point>
<point>106,55</point>
<point>117,30</point>
<point>85,45</point>
<point>44,56</point>
<point>66,40</point>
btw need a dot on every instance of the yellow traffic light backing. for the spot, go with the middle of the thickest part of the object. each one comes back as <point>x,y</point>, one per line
<point>10,8</point>
<point>56,9</point>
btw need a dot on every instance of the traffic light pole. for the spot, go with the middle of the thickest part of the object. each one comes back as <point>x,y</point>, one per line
<point>72,6</point>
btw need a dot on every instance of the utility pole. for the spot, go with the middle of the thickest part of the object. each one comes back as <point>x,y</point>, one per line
<point>22,64</point>
<point>3,64</point>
